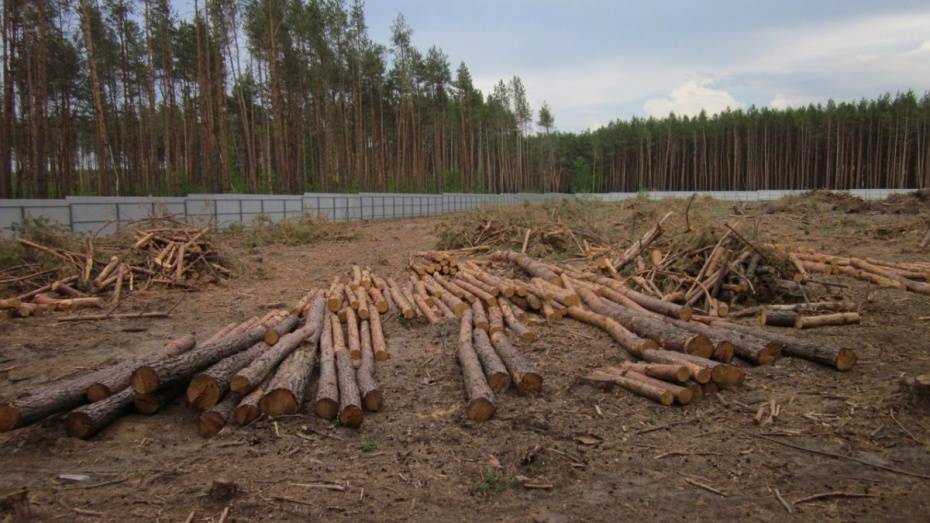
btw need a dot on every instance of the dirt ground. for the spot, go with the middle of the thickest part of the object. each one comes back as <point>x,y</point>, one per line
<point>421,460</point>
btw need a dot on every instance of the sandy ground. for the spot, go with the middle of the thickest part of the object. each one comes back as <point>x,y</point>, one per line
<point>420,459</point>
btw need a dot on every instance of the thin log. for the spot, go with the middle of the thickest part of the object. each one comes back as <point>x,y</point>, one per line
<point>837,318</point>
<point>334,296</point>
<point>637,248</point>
<point>378,299</point>
<point>326,404</point>
<point>658,394</point>
<point>629,341</point>
<point>778,318</point>
<point>494,370</point>
<point>480,397</point>
<point>405,307</point>
<point>372,397</point>
<point>523,373</point>
<point>350,401</point>
<point>354,345</point>
<point>683,395</point>
<point>528,264</point>
<point>518,327</point>
<point>377,338</point>
<point>663,371</point>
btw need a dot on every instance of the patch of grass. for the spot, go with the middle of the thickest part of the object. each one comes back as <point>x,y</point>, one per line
<point>368,443</point>
<point>293,231</point>
<point>494,481</point>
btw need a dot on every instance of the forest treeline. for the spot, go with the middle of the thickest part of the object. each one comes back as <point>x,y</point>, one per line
<point>127,97</point>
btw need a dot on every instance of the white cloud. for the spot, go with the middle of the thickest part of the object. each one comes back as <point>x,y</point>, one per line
<point>783,101</point>
<point>690,98</point>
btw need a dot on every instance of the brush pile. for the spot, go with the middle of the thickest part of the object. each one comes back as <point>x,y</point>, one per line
<point>62,278</point>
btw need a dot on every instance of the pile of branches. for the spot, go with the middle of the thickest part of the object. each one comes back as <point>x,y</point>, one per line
<point>261,366</point>
<point>170,253</point>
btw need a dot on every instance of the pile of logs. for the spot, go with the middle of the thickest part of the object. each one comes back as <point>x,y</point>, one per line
<point>261,366</point>
<point>174,255</point>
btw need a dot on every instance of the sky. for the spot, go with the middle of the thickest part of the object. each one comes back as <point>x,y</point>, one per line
<point>594,61</point>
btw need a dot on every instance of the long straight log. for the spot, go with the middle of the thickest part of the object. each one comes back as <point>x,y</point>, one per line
<point>480,319</point>
<point>494,370</point>
<point>911,285</point>
<point>117,376</point>
<point>839,358</point>
<point>723,374</point>
<point>84,422</point>
<point>285,392</point>
<point>629,341</point>
<point>400,300</point>
<point>822,320</point>
<point>658,394</point>
<point>148,378</point>
<point>327,392</point>
<point>378,345</point>
<point>523,373</point>
<point>528,264</point>
<point>662,371</point>
<point>69,393</point>
<point>377,298</point>
<point>255,372</point>
<point>372,397</point>
<point>350,401</point>
<point>683,395</point>
<point>510,319</point>
<point>480,397</point>
<point>354,344</point>
<point>609,289</point>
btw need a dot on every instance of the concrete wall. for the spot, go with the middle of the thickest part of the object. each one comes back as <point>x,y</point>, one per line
<point>107,214</point>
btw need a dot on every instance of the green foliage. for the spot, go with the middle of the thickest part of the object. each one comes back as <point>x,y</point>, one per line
<point>582,177</point>
<point>494,481</point>
<point>291,231</point>
<point>642,194</point>
<point>41,230</point>
<point>368,443</point>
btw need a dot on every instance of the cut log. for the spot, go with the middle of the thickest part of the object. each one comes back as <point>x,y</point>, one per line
<point>424,308</point>
<point>699,373</point>
<point>647,390</point>
<point>350,401</point>
<point>327,392</point>
<point>372,398</point>
<point>480,397</point>
<point>554,292</point>
<point>523,333</point>
<point>84,422</point>
<point>911,285</point>
<point>529,265</point>
<point>152,402</point>
<point>721,373</point>
<point>523,373</point>
<point>477,283</point>
<point>211,421</point>
<point>662,371</point>
<point>10,303</point>
<point>377,338</point>
<point>837,318</point>
<point>285,392</point>
<point>550,313</point>
<point>148,378</point>
<point>351,296</point>
<point>495,319</point>
<point>70,392</point>
<point>494,370</point>
<point>839,358</point>
<point>378,299</point>
<point>633,251</point>
<point>405,307</point>
<point>777,318</point>
<point>116,377</point>
<point>683,395</point>
<point>505,288</point>
<point>475,291</point>
<point>354,346</point>
<point>609,289</point>
<point>480,319</point>
<point>629,341</point>
<point>334,296</point>
<point>248,410</point>
<point>362,297</point>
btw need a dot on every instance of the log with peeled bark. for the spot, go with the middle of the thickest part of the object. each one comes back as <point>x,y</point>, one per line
<point>526,292</point>
<point>362,296</point>
<point>84,422</point>
<point>683,395</point>
<point>629,341</point>
<point>494,369</point>
<point>152,402</point>
<point>351,297</point>
<point>699,373</point>
<point>444,309</point>
<point>479,318</point>
<point>378,345</point>
<point>148,378</point>
<point>823,320</point>
<point>505,288</point>
<point>248,410</point>
<point>636,249</point>
<point>477,283</point>
<point>372,397</point>
<point>663,371</point>
<point>510,319</point>
<point>69,393</point>
<point>495,319</point>
<point>839,358</point>
<point>663,332</point>
<point>116,377</point>
<point>528,264</point>
<point>523,373</point>
<point>212,420</point>
<point>400,300</point>
<point>326,404</point>
<point>452,302</point>
<point>647,390</point>
<point>377,298</point>
<point>285,392</point>
<point>480,397</point>
<point>350,401</point>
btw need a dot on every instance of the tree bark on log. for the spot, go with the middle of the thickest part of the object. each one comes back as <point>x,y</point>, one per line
<point>354,345</point>
<point>248,410</point>
<point>721,373</point>
<point>69,393</point>
<point>148,378</point>
<point>629,341</point>
<point>84,422</point>
<point>662,371</point>
<point>211,421</point>
<point>117,376</point>
<point>683,395</point>
<point>839,358</point>
<point>480,397</point>
<point>378,299</point>
<point>510,319</point>
<point>250,376</point>
<point>528,264</point>
<point>405,307</point>
<point>494,370</point>
<point>637,248</point>
<point>372,397</point>
<point>350,401</point>
<point>152,402</point>
<point>523,373</point>
<point>660,395</point>
<point>377,338</point>
<point>495,319</point>
<point>207,388</point>
<point>822,320</point>
<point>480,319</point>
<point>285,393</point>
<point>778,318</point>
<point>327,392</point>
<point>673,310</point>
